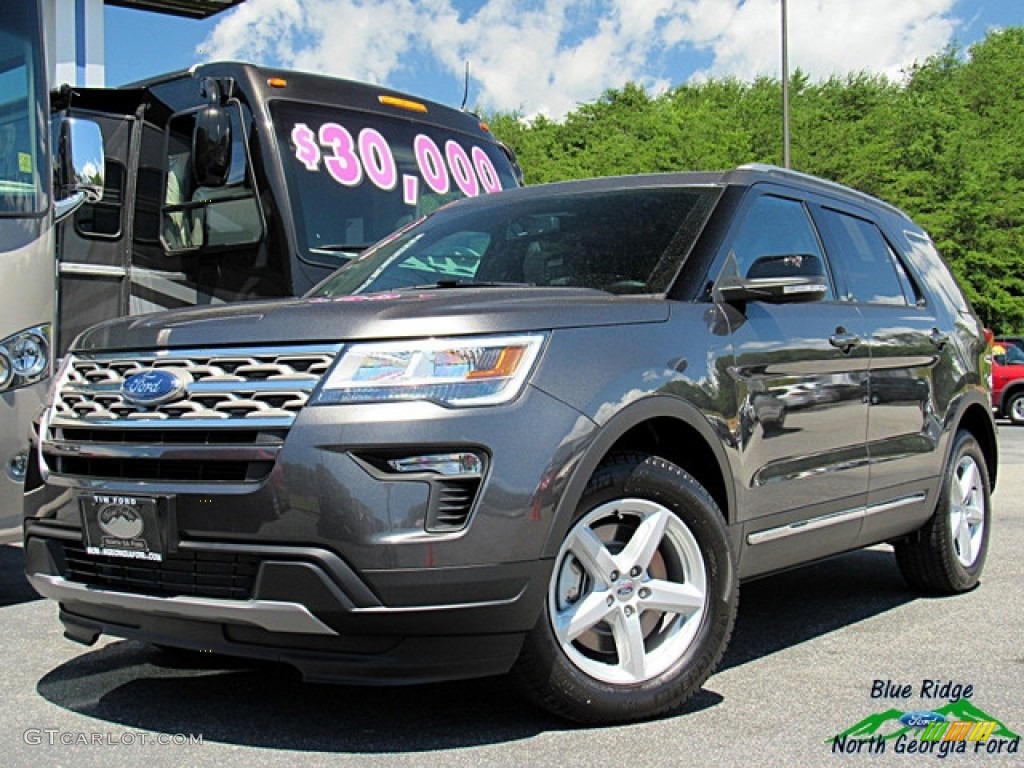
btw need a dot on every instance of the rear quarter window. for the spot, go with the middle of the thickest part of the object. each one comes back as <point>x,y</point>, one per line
<point>928,264</point>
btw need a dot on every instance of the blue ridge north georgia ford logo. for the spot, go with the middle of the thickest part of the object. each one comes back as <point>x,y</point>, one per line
<point>155,386</point>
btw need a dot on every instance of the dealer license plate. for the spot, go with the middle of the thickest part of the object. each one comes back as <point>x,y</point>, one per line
<point>123,526</point>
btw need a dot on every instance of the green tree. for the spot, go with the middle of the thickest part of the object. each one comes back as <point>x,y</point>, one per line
<point>943,144</point>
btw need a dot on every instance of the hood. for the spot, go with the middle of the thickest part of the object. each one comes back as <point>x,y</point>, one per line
<point>406,314</point>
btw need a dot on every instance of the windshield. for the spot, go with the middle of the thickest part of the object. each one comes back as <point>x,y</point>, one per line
<point>22,114</point>
<point>620,241</point>
<point>354,178</point>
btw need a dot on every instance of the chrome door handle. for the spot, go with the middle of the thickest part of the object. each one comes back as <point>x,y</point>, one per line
<point>843,340</point>
<point>938,338</point>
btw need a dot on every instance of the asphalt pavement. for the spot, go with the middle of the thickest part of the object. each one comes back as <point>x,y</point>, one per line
<point>818,651</point>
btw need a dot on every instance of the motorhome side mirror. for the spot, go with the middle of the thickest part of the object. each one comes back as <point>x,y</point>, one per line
<point>79,165</point>
<point>780,279</point>
<point>211,147</point>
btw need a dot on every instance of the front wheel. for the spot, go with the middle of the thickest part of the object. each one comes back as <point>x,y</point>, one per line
<point>947,554</point>
<point>641,600</point>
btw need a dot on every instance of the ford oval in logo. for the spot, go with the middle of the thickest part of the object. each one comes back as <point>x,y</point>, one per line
<point>921,718</point>
<point>155,386</point>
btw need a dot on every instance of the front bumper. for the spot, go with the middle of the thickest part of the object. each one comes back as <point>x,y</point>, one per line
<point>326,563</point>
<point>297,613</point>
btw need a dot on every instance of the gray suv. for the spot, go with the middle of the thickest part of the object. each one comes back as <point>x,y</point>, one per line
<point>547,431</point>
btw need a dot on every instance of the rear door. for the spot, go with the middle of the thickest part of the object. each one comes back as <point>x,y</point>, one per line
<point>910,344</point>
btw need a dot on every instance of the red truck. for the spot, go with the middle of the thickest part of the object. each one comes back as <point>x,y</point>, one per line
<point>1008,381</point>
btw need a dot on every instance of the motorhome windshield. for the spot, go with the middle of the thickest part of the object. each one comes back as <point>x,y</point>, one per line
<point>22,127</point>
<point>394,171</point>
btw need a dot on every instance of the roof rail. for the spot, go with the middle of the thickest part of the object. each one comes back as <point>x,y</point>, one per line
<point>783,173</point>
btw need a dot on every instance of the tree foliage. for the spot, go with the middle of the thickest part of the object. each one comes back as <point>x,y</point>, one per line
<point>944,144</point>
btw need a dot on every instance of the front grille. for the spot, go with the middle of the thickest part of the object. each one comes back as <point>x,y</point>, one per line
<point>268,386</point>
<point>202,574</point>
<point>226,425</point>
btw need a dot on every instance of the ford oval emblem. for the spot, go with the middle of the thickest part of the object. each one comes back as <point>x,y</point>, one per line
<point>921,718</point>
<point>155,386</point>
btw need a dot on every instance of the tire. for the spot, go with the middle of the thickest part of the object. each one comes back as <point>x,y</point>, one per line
<point>608,647</point>
<point>1015,408</point>
<point>947,554</point>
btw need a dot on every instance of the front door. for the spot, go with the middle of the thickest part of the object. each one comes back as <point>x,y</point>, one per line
<point>801,372</point>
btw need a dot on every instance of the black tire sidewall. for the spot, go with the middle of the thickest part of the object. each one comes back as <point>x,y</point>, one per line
<point>963,577</point>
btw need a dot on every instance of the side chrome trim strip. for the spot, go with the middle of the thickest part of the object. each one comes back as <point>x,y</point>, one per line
<point>271,615</point>
<point>825,521</point>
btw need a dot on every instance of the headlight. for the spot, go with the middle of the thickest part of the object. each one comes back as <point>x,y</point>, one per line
<point>28,354</point>
<point>25,357</point>
<point>485,370</point>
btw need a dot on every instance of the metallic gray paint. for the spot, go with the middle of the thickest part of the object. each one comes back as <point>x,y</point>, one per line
<point>756,400</point>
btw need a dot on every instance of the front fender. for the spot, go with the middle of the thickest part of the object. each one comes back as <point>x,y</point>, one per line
<point>632,415</point>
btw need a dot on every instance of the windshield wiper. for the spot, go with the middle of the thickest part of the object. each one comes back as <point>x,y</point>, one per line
<point>455,282</point>
<point>344,249</point>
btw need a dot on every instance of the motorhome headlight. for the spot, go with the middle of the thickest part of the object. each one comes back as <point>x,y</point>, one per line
<point>29,355</point>
<point>483,370</point>
<point>25,357</point>
<point>6,371</point>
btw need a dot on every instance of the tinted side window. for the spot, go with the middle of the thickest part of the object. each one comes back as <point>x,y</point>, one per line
<point>864,260</point>
<point>933,271</point>
<point>775,226</point>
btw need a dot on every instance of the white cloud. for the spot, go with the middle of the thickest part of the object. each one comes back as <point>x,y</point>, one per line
<point>546,56</point>
<point>826,37</point>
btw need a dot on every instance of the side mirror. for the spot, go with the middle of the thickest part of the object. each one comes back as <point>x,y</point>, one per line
<point>780,279</point>
<point>78,166</point>
<point>211,147</point>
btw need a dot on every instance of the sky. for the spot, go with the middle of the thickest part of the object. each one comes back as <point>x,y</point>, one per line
<point>546,57</point>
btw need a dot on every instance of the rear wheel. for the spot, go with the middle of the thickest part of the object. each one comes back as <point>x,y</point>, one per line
<point>947,554</point>
<point>641,600</point>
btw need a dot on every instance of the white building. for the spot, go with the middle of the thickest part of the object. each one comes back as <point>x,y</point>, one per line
<point>74,32</point>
